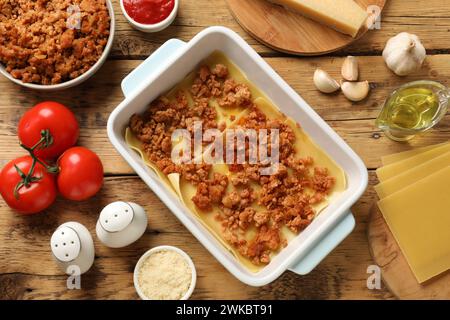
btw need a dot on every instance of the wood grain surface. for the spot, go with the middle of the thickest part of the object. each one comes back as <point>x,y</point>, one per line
<point>290,32</point>
<point>26,268</point>
<point>397,274</point>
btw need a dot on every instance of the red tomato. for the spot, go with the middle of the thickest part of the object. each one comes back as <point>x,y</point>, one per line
<point>80,174</point>
<point>55,117</point>
<point>34,198</point>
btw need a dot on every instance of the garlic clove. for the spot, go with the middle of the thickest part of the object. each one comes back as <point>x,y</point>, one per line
<point>324,82</point>
<point>404,54</point>
<point>355,91</point>
<point>350,69</point>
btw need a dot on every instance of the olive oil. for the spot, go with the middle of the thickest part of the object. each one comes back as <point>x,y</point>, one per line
<point>412,109</point>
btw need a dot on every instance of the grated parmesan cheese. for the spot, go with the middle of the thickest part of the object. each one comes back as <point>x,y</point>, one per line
<point>165,275</point>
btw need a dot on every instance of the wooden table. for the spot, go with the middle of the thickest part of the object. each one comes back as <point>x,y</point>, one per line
<point>26,267</point>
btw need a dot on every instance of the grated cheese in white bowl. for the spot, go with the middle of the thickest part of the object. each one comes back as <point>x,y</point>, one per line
<point>164,274</point>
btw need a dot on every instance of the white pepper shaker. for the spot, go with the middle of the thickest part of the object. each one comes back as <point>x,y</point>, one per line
<point>121,223</point>
<point>72,247</point>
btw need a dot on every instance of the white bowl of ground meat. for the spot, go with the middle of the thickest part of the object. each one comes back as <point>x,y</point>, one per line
<point>54,44</point>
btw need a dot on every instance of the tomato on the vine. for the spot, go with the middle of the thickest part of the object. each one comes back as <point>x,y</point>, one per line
<point>30,184</point>
<point>60,124</point>
<point>80,174</point>
<point>31,194</point>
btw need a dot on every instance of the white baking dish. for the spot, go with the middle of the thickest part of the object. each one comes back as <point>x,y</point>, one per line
<point>170,64</point>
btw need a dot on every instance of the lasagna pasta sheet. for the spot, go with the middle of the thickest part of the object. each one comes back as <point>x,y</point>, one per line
<point>304,147</point>
<point>136,145</point>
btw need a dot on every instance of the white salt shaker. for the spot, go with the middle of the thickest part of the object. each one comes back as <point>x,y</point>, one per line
<point>121,223</point>
<point>73,248</point>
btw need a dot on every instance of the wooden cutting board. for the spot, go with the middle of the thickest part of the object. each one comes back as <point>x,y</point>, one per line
<point>289,32</point>
<point>395,270</point>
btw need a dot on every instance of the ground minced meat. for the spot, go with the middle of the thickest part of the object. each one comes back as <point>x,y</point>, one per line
<point>282,199</point>
<point>37,45</point>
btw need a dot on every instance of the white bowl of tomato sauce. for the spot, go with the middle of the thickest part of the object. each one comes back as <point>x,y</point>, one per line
<point>150,15</point>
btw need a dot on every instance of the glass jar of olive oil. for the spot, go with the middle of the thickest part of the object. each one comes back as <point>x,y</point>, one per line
<point>412,109</point>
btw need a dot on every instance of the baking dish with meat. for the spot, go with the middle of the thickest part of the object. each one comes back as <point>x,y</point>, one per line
<point>55,44</point>
<point>257,227</point>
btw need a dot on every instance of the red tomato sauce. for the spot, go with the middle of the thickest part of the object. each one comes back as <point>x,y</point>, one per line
<point>148,11</point>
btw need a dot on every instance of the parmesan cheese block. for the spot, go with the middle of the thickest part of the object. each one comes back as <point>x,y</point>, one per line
<point>396,157</point>
<point>419,218</point>
<point>392,170</point>
<point>411,176</point>
<point>342,15</point>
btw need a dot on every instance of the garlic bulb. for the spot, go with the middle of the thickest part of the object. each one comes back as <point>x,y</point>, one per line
<point>404,53</point>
